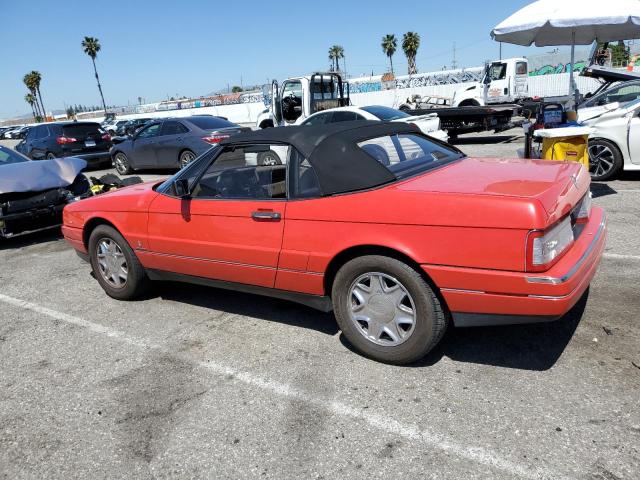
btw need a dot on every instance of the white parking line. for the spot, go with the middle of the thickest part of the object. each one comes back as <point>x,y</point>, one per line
<point>618,256</point>
<point>382,422</point>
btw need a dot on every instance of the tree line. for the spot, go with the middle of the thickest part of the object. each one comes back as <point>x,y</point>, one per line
<point>389,44</point>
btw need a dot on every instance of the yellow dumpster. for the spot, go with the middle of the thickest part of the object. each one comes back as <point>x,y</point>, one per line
<point>565,144</point>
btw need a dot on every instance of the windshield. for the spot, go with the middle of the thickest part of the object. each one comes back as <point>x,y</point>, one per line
<point>8,156</point>
<point>624,94</point>
<point>407,154</point>
<point>385,113</point>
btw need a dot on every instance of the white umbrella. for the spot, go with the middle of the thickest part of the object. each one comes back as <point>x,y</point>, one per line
<point>570,22</point>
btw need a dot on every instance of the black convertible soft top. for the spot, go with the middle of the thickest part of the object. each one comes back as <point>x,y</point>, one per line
<point>332,150</point>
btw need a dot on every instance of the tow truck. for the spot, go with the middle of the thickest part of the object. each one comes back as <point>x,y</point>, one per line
<point>299,97</point>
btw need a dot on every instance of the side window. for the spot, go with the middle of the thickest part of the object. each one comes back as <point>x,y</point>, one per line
<point>31,134</point>
<point>319,119</point>
<point>498,71</point>
<point>521,68</point>
<point>306,183</point>
<point>173,128</point>
<point>344,116</point>
<point>240,173</point>
<point>150,131</point>
<point>41,132</point>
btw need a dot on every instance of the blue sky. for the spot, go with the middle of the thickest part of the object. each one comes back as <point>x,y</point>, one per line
<point>156,49</point>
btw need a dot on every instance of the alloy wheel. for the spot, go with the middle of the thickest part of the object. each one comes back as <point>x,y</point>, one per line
<point>186,158</point>
<point>601,160</point>
<point>269,159</point>
<point>112,263</point>
<point>121,163</point>
<point>382,309</point>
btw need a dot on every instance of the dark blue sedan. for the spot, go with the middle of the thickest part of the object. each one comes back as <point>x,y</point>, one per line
<point>170,142</point>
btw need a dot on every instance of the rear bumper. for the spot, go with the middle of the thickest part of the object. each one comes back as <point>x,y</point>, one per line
<point>479,297</point>
<point>95,158</point>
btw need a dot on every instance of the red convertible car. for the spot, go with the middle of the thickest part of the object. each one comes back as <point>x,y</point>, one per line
<point>396,232</point>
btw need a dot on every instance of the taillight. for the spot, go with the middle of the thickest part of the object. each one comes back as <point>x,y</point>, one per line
<point>106,137</point>
<point>584,210</point>
<point>544,248</point>
<point>214,139</point>
<point>65,140</point>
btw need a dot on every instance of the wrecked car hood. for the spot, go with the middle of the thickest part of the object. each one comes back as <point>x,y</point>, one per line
<point>39,175</point>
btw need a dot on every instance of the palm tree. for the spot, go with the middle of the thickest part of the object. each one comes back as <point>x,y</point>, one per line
<point>332,59</point>
<point>31,100</point>
<point>410,45</point>
<point>339,53</point>
<point>389,45</point>
<point>32,80</point>
<point>91,47</point>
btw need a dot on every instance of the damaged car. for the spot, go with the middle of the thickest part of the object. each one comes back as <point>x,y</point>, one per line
<point>33,194</point>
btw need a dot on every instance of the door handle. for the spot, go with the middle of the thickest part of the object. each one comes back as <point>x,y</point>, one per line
<point>262,215</point>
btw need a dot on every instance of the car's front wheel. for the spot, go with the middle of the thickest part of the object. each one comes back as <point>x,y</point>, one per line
<point>115,265</point>
<point>50,156</point>
<point>605,159</point>
<point>269,158</point>
<point>386,309</point>
<point>121,162</point>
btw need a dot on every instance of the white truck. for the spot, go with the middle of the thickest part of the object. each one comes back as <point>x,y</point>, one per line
<point>299,97</point>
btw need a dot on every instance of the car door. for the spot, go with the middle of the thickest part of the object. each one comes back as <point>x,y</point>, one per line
<point>170,143</point>
<point>634,137</point>
<point>26,146</point>
<point>39,143</point>
<point>144,146</point>
<point>230,227</point>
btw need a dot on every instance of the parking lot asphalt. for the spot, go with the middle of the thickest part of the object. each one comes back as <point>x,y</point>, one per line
<point>195,382</point>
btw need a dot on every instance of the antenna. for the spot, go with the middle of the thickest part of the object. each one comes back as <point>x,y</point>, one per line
<point>454,64</point>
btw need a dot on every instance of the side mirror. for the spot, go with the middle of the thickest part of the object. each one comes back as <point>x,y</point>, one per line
<point>181,187</point>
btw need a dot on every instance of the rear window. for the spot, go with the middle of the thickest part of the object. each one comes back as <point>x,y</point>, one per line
<point>408,154</point>
<point>81,129</point>
<point>210,123</point>
<point>386,114</point>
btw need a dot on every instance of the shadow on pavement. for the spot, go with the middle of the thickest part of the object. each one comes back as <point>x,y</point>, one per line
<point>534,347</point>
<point>255,306</point>
<point>488,140</point>
<point>34,238</point>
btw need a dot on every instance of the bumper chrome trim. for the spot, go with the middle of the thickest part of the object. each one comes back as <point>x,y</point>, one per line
<point>567,276</point>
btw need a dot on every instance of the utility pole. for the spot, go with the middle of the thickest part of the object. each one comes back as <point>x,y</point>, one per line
<point>454,64</point>
<point>500,51</point>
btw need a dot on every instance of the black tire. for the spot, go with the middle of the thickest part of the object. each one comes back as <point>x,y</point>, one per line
<point>269,158</point>
<point>50,156</point>
<point>605,159</point>
<point>136,282</point>
<point>429,324</point>
<point>185,158</point>
<point>121,163</point>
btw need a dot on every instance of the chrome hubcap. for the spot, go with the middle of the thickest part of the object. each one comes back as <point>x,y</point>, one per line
<point>601,160</point>
<point>121,163</point>
<point>382,309</point>
<point>269,160</point>
<point>112,263</point>
<point>187,158</point>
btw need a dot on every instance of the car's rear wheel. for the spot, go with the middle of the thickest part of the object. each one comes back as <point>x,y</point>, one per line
<point>115,265</point>
<point>605,159</point>
<point>269,158</point>
<point>121,162</point>
<point>386,309</point>
<point>186,158</point>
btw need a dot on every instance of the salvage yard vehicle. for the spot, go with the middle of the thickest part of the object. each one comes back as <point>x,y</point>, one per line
<point>429,124</point>
<point>394,231</point>
<point>33,194</point>
<point>84,140</point>
<point>299,97</point>
<point>614,145</point>
<point>170,142</point>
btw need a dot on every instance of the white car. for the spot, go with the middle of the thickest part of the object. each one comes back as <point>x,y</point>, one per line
<point>615,143</point>
<point>14,131</point>
<point>613,97</point>
<point>429,124</point>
